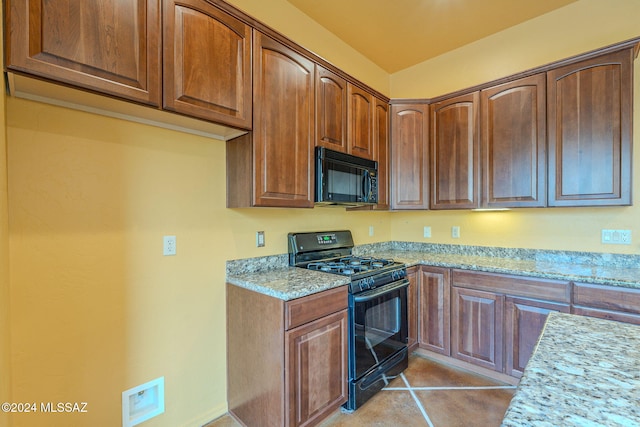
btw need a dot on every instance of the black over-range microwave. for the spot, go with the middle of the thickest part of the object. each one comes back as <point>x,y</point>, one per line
<point>343,179</point>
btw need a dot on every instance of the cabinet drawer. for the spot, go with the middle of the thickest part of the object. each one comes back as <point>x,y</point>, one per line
<point>531,287</point>
<point>303,310</point>
<point>607,297</point>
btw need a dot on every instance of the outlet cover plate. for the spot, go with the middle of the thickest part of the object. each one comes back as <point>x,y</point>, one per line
<point>616,237</point>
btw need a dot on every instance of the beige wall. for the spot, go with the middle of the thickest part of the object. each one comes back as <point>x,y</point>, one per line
<point>5,330</point>
<point>96,308</point>
<point>579,27</point>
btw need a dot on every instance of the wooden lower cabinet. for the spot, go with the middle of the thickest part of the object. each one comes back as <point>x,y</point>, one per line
<point>316,362</point>
<point>524,320</point>
<point>476,327</point>
<point>434,306</point>
<point>412,306</point>
<point>607,302</point>
<point>287,360</point>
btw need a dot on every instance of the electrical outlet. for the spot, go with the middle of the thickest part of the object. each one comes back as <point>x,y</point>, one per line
<point>616,237</point>
<point>259,239</point>
<point>455,232</point>
<point>169,245</point>
<point>426,232</point>
<point>371,230</point>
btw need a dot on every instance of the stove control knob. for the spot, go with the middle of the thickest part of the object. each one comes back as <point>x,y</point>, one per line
<point>397,275</point>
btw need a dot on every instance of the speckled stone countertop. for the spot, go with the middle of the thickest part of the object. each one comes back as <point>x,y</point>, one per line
<point>585,267</point>
<point>271,275</point>
<point>584,372</point>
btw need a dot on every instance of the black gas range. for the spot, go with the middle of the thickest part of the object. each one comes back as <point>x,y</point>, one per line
<point>331,252</point>
<point>377,308</point>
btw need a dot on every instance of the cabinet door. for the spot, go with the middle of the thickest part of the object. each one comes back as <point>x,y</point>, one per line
<point>283,125</point>
<point>513,122</point>
<point>360,122</point>
<point>409,156</point>
<point>476,327</point>
<point>524,320</point>
<point>412,307</point>
<point>590,119</point>
<point>434,310</point>
<point>381,144</point>
<point>331,110</point>
<point>109,46</point>
<point>207,63</point>
<point>455,152</point>
<point>316,376</point>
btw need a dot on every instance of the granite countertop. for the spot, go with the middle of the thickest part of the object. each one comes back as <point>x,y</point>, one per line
<point>288,283</point>
<point>604,275</point>
<point>271,275</point>
<point>584,372</point>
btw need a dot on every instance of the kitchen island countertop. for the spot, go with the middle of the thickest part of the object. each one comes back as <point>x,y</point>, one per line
<point>584,372</point>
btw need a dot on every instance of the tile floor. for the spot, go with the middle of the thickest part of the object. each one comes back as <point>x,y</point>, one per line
<point>429,394</point>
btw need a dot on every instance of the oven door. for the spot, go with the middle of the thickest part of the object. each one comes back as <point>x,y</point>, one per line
<point>378,327</point>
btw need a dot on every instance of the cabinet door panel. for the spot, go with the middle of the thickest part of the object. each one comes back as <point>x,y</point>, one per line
<point>476,323</point>
<point>331,110</point>
<point>590,115</point>
<point>360,122</point>
<point>434,310</point>
<point>412,307</point>
<point>514,143</point>
<point>524,321</point>
<point>455,152</point>
<point>381,145</point>
<point>283,125</point>
<point>409,156</point>
<point>316,358</point>
<point>108,46</point>
<point>207,67</point>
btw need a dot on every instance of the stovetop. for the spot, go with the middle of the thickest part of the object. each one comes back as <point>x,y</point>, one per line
<point>350,265</point>
<point>330,252</point>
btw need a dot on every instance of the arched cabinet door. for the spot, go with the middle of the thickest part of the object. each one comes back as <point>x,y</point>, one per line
<point>590,107</point>
<point>207,63</point>
<point>107,46</point>
<point>513,124</point>
<point>455,152</point>
<point>283,136</point>
<point>409,156</point>
<point>331,110</point>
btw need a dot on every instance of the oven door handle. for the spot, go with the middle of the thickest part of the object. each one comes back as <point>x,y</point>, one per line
<point>375,293</point>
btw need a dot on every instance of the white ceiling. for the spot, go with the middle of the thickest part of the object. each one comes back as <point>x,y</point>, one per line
<point>396,34</point>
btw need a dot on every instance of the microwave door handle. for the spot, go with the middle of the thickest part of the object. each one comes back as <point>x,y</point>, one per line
<point>366,184</point>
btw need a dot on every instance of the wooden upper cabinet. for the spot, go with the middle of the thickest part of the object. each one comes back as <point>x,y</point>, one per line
<point>331,110</point>
<point>360,112</point>
<point>381,145</point>
<point>109,46</point>
<point>590,107</point>
<point>283,131</point>
<point>455,152</point>
<point>409,156</point>
<point>513,123</point>
<point>207,63</point>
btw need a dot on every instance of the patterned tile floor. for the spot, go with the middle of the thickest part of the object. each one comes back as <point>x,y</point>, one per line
<point>429,394</point>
